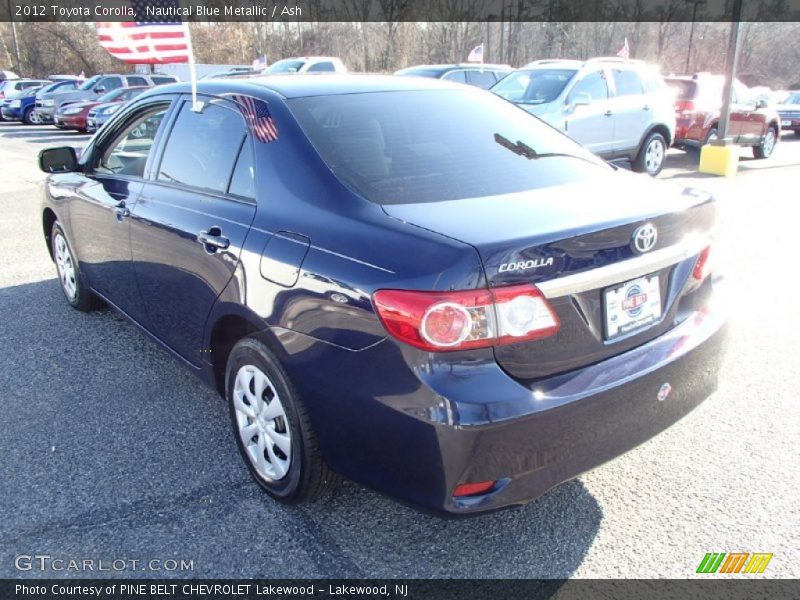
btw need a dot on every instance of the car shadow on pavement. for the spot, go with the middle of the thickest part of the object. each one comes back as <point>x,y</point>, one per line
<point>111,450</point>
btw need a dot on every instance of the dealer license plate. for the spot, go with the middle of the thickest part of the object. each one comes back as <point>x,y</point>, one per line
<point>786,123</point>
<point>633,305</point>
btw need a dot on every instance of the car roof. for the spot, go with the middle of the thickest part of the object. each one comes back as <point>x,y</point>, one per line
<point>294,86</point>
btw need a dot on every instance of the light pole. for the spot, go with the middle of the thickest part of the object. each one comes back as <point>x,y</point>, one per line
<point>696,3</point>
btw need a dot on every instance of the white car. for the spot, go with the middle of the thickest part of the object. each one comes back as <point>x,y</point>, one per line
<point>306,64</point>
<point>617,108</point>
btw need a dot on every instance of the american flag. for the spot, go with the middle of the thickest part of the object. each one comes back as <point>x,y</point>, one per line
<point>256,114</point>
<point>149,40</point>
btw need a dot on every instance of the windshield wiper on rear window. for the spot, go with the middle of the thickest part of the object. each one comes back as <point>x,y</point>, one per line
<point>522,149</point>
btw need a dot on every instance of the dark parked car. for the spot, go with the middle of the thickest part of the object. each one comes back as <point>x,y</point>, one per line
<point>440,308</point>
<point>23,107</point>
<point>789,113</point>
<point>698,100</point>
<point>484,76</point>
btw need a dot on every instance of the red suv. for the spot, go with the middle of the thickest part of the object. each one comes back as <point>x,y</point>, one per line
<point>698,99</point>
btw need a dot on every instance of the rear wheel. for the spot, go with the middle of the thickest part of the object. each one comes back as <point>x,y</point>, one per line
<point>651,155</point>
<point>712,136</point>
<point>764,150</point>
<point>272,428</point>
<point>69,275</point>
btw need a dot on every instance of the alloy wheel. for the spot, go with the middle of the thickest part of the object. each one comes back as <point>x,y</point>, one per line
<point>654,156</point>
<point>65,267</point>
<point>262,424</point>
<point>769,142</point>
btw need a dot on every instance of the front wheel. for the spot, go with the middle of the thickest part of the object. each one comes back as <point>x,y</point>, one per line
<point>77,294</point>
<point>764,150</point>
<point>272,428</point>
<point>31,117</point>
<point>651,155</point>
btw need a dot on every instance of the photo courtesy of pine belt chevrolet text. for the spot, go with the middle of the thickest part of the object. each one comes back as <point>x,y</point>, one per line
<point>410,283</point>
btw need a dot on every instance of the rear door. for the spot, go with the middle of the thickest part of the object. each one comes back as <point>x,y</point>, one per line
<point>592,125</point>
<point>191,221</point>
<point>632,109</point>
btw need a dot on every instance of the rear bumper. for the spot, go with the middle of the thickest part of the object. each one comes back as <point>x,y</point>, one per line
<point>416,425</point>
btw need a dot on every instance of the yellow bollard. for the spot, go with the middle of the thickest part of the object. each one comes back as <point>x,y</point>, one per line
<point>719,159</point>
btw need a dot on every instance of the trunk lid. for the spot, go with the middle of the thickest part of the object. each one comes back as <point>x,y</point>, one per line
<point>574,241</point>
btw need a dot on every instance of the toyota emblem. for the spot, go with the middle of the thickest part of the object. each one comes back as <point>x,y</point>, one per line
<point>644,238</point>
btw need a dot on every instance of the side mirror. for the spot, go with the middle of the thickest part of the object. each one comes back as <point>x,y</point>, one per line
<point>762,103</point>
<point>99,89</point>
<point>58,160</point>
<point>581,99</point>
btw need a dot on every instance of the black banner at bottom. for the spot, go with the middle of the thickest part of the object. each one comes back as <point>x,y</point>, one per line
<point>414,589</point>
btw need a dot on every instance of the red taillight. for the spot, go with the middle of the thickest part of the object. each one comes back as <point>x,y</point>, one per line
<point>704,264</point>
<point>473,489</point>
<point>441,321</point>
<point>685,106</point>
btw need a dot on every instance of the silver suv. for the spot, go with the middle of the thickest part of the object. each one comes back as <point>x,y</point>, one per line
<point>617,108</point>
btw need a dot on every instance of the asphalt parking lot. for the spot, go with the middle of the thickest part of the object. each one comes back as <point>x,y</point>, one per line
<point>111,450</point>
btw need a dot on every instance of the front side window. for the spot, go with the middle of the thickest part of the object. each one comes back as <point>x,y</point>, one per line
<point>536,86</point>
<point>134,80</point>
<point>90,83</point>
<point>389,155</point>
<point>593,84</point>
<point>127,154</point>
<point>202,148</point>
<point>109,83</point>
<point>161,80</point>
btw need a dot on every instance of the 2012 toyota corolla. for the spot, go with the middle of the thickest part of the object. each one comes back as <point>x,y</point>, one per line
<point>413,284</point>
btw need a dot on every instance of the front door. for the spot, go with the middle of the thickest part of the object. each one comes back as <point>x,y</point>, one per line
<point>190,223</point>
<point>591,125</point>
<point>100,224</point>
<point>632,110</point>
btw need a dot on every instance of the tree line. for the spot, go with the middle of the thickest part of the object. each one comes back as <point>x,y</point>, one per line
<point>769,52</point>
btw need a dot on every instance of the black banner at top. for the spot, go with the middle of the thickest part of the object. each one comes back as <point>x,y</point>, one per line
<point>397,10</point>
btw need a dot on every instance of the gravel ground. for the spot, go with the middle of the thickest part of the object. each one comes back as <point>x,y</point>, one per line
<point>111,450</point>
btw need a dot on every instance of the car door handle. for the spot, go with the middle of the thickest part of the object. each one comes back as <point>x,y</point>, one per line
<point>608,113</point>
<point>213,239</point>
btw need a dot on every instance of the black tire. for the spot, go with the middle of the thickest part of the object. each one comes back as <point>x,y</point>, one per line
<point>797,132</point>
<point>767,146</point>
<point>308,477</point>
<point>26,117</point>
<point>650,164</point>
<point>82,299</point>
<point>712,134</point>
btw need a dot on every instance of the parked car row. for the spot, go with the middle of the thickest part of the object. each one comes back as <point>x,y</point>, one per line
<point>67,101</point>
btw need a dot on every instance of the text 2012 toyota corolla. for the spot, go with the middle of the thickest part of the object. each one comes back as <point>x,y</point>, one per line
<point>410,283</point>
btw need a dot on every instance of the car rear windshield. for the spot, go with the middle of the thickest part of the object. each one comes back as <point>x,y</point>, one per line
<point>427,146</point>
<point>537,86</point>
<point>684,89</point>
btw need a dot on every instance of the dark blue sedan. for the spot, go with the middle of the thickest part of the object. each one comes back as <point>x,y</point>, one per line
<point>413,284</point>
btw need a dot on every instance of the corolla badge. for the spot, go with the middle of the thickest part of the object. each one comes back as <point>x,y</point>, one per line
<point>644,238</point>
<point>524,265</point>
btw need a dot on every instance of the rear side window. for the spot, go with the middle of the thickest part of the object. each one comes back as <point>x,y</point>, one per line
<point>243,182</point>
<point>627,82</point>
<point>593,84</point>
<point>322,67</point>
<point>202,148</point>
<point>458,76</point>
<point>481,79</point>
<point>134,80</point>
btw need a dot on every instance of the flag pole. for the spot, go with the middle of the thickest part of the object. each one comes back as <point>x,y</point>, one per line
<point>196,106</point>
